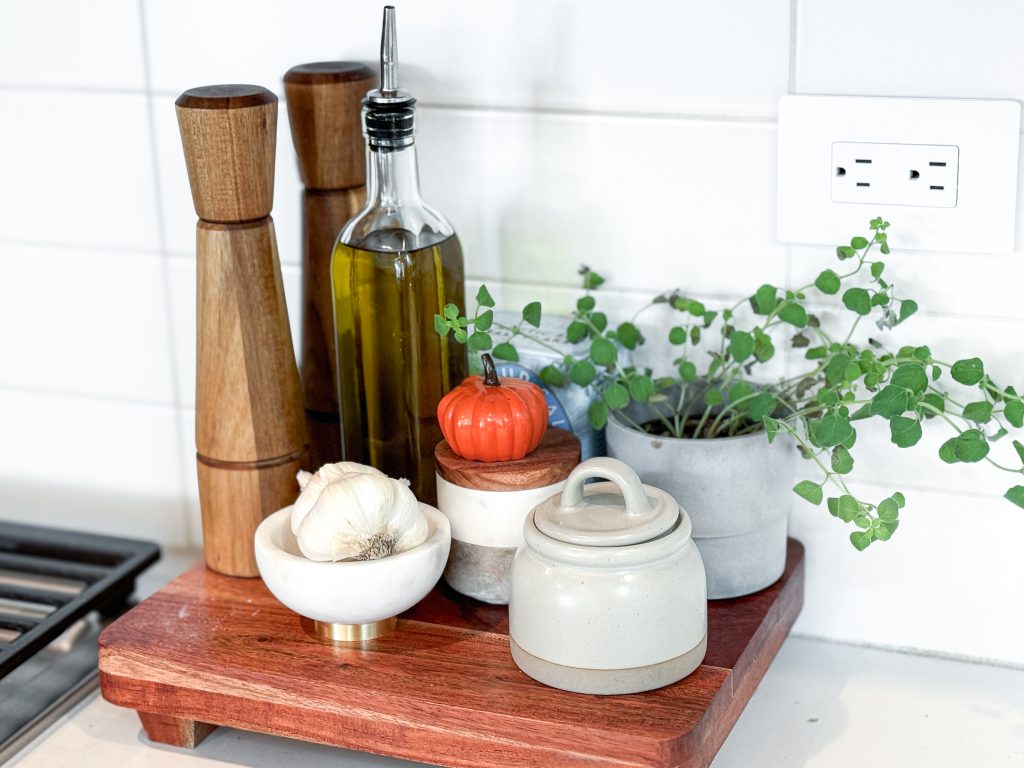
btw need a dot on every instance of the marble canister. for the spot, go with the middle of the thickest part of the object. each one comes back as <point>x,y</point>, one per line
<point>487,503</point>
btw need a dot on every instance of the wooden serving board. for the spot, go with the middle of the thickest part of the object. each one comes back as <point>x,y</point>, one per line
<point>211,650</point>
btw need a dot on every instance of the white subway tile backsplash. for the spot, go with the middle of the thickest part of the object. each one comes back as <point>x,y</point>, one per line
<point>77,170</point>
<point>909,48</point>
<point>94,323</point>
<point>182,276</point>
<point>533,196</point>
<point>682,57</point>
<point>67,43</point>
<point>94,465</point>
<point>946,582</point>
<point>176,198</point>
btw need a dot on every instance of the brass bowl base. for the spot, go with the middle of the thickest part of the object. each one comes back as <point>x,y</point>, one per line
<point>338,634</point>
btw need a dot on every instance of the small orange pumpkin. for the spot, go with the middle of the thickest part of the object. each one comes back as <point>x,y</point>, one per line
<point>491,419</point>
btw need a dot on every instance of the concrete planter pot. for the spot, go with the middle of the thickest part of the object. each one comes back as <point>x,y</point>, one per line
<point>737,491</point>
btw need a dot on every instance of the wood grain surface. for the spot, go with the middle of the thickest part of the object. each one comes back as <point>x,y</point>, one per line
<point>248,396</point>
<point>250,426</point>
<point>324,100</point>
<point>208,650</point>
<point>550,463</point>
<point>229,133</point>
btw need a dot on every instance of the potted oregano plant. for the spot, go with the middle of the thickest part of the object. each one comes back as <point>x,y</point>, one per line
<point>721,438</point>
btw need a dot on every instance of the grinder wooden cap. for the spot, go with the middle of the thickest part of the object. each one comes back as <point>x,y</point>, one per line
<point>229,134</point>
<point>324,103</point>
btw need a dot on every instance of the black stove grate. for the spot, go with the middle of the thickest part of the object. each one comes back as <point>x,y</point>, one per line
<point>50,578</point>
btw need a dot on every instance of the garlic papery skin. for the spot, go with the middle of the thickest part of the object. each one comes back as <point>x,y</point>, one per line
<point>362,517</point>
<point>312,485</point>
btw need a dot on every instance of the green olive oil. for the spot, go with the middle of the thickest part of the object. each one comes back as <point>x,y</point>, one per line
<point>393,368</point>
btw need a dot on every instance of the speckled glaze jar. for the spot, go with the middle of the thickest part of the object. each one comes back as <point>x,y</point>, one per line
<point>608,589</point>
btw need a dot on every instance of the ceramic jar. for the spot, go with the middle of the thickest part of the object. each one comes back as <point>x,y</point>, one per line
<point>486,504</point>
<point>608,590</point>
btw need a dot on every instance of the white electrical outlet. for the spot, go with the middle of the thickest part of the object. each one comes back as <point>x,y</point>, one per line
<point>895,174</point>
<point>943,170</point>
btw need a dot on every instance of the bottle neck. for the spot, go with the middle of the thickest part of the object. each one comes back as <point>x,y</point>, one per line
<point>392,177</point>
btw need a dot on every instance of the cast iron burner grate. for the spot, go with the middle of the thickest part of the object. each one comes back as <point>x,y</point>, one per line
<point>53,581</point>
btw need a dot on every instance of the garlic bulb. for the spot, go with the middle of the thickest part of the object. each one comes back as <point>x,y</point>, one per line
<point>311,485</point>
<point>362,517</point>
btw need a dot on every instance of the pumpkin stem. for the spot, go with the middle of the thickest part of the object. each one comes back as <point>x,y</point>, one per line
<point>490,375</point>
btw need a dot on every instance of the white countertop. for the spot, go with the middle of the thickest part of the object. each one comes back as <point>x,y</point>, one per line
<point>820,704</point>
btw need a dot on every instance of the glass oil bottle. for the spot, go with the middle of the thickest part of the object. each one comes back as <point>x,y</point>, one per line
<point>395,265</point>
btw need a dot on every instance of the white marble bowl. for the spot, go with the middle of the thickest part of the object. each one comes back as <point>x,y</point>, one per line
<point>358,592</point>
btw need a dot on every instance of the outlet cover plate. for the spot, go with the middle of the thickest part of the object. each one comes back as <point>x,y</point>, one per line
<point>984,133</point>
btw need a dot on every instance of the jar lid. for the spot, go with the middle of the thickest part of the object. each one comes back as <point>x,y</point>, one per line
<point>610,514</point>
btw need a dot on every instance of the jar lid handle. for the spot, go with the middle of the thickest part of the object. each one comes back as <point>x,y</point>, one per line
<point>620,473</point>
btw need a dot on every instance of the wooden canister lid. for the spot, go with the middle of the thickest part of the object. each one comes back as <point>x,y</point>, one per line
<point>229,133</point>
<point>324,101</point>
<point>550,463</point>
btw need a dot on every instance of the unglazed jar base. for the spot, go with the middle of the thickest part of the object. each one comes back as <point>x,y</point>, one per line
<point>353,633</point>
<point>608,682</point>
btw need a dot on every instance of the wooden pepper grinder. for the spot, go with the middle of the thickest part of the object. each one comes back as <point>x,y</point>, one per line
<point>250,432</point>
<point>324,101</point>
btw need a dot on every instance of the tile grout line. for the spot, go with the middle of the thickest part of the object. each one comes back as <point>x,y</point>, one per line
<point>793,12</point>
<point>183,478</point>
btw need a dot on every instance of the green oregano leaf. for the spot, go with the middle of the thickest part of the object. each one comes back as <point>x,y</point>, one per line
<point>483,297</point>
<point>582,372</point>
<point>907,308</point>
<point>714,397</point>
<point>598,414</point>
<point>765,299</point>
<point>599,320</point>
<point>480,342</point>
<point>842,460</point>
<point>451,311</point>
<point>616,396</point>
<point>859,243</point>
<point>677,335</point>
<point>687,371</point>
<point>441,326</point>
<point>969,371</point>
<point>910,376</point>
<point>603,352</point>
<point>904,431</point>
<point>877,268</point>
<point>794,314</point>
<point>576,332</point>
<point>531,313</point>
<point>970,446</point>
<point>771,428</point>
<point>641,388</point>
<point>628,335</point>
<point>552,376</point>
<point>979,412</point>
<point>1020,450</point>
<point>861,540</point>
<point>1016,495</point>
<point>947,451</point>
<point>462,335</point>
<point>506,351</point>
<point>857,300</point>
<point>585,303</point>
<point>828,282</point>
<point>741,345</point>
<point>484,320</point>
<point>848,508</point>
<point>1014,413</point>
<point>888,510</point>
<point>833,429</point>
<point>809,491</point>
<point>762,405</point>
<point>890,401</point>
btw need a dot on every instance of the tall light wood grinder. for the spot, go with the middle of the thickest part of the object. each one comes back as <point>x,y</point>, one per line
<point>250,430</point>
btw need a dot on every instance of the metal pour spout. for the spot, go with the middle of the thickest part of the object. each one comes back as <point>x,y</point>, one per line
<point>389,53</point>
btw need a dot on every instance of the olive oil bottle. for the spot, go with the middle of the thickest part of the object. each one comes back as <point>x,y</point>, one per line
<point>395,265</point>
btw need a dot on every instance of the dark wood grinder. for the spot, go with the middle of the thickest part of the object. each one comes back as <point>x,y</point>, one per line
<point>250,431</point>
<point>324,102</point>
